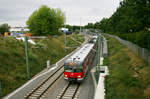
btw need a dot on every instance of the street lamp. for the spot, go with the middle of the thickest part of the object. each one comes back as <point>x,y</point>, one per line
<point>80,25</point>
<point>0,89</point>
<point>99,54</point>
<point>27,57</point>
<point>65,42</point>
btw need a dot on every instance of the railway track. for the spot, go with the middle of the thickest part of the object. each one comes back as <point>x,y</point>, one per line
<point>39,91</point>
<point>70,91</point>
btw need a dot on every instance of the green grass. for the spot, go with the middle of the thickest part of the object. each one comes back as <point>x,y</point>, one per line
<point>13,60</point>
<point>129,75</point>
<point>70,42</point>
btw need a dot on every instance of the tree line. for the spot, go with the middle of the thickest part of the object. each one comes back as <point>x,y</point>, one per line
<point>4,28</point>
<point>131,22</point>
<point>45,21</point>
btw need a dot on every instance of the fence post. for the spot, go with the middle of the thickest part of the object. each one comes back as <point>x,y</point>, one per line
<point>48,64</point>
<point>0,89</point>
<point>143,50</point>
<point>149,59</point>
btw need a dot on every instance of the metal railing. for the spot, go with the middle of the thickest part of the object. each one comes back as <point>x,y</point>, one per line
<point>141,52</point>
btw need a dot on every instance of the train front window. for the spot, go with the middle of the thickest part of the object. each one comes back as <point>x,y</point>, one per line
<point>68,69</point>
<point>78,70</point>
<point>73,69</point>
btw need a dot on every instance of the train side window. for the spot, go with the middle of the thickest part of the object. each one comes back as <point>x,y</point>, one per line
<point>87,60</point>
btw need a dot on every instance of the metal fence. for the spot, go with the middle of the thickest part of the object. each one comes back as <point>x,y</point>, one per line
<point>141,52</point>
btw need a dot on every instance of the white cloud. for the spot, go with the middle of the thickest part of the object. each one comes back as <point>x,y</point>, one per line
<point>16,12</point>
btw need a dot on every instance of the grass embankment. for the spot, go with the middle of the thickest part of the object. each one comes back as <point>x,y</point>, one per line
<point>13,61</point>
<point>129,75</point>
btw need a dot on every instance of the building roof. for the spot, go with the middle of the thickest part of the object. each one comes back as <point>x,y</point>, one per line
<point>15,29</point>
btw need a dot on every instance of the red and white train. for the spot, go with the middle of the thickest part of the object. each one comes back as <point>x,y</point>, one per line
<point>77,66</point>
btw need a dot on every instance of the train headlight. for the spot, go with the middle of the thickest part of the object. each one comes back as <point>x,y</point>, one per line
<point>79,76</point>
<point>65,75</point>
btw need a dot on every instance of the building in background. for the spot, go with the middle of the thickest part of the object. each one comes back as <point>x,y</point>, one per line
<point>18,31</point>
<point>66,31</point>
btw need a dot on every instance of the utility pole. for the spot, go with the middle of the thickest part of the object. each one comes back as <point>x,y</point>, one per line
<point>27,57</point>
<point>80,25</point>
<point>48,64</point>
<point>65,39</point>
<point>99,54</point>
<point>0,89</point>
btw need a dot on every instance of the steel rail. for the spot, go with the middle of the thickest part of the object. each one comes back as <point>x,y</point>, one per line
<point>45,85</point>
<point>69,91</point>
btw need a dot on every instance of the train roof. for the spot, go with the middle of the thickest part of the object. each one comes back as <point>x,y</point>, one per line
<point>81,54</point>
<point>95,37</point>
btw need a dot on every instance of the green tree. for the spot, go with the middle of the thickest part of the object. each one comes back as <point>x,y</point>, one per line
<point>131,21</point>
<point>97,25</point>
<point>131,16</point>
<point>4,28</point>
<point>46,21</point>
<point>90,25</point>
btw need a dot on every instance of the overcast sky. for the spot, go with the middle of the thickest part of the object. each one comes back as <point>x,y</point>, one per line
<point>16,12</point>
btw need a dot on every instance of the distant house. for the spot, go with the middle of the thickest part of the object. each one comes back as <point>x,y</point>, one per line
<point>64,30</point>
<point>14,29</point>
<point>27,34</point>
<point>18,29</point>
<point>15,34</point>
<point>6,34</point>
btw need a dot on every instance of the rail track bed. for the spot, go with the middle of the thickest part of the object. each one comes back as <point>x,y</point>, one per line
<point>40,91</point>
<point>70,91</point>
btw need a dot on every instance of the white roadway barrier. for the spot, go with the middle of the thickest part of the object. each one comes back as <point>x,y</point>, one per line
<point>93,71</point>
<point>100,87</point>
<point>24,89</point>
<point>100,90</point>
